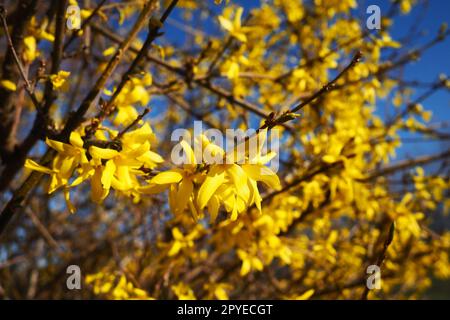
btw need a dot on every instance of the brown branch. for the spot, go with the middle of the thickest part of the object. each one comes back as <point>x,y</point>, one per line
<point>405,164</point>
<point>20,195</point>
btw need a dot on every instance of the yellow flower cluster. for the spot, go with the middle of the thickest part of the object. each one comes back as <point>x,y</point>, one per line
<point>119,163</point>
<point>116,287</point>
<point>231,184</point>
<point>59,79</point>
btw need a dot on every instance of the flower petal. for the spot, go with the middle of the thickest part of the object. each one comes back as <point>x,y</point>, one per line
<point>209,186</point>
<point>225,23</point>
<point>108,173</point>
<point>167,177</point>
<point>101,153</point>
<point>263,174</point>
<point>57,145</point>
<point>68,203</point>
<point>33,165</point>
<point>184,193</point>
<point>76,140</point>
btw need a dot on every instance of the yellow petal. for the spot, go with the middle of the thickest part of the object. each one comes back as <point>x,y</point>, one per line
<point>266,158</point>
<point>55,183</point>
<point>87,172</point>
<point>68,203</point>
<point>238,176</point>
<point>30,164</point>
<point>109,51</point>
<point>140,135</point>
<point>329,158</point>
<point>190,156</point>
<point>153,156</point>
<point>152,188</point>
<point>98,194</point>
<point>184,193</point>
<point>76,140</point>
<point>238,16</point>
<point>118,185</point>
<point>245,268</point>
<point>263,174</point>
<point>225,23</point>
<point>240,36</point>
<point>213,208</point>
<point>176,233</point>
<point>306,295</point>
<point>174,249</point>
<point>254,197</point>
<point>138,151</point>
<point>59,79</point>
<point>108,173</point>
<point>208,188</point>
<point>257,264</point>
<point>233,71</point>
<point>101,153</point>
<point>67,166</point>
<point>8,84</point>
<point>57,145</point>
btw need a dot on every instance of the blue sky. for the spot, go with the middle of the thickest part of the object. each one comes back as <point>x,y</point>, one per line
<point>431,64</point>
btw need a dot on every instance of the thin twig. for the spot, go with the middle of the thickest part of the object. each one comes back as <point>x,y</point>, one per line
<point>405,164</point>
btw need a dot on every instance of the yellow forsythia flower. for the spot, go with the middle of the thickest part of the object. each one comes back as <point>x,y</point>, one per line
<point>59,79</point>
<point>234,26</point>
<point>183,291</point>
<point>30,52</point>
